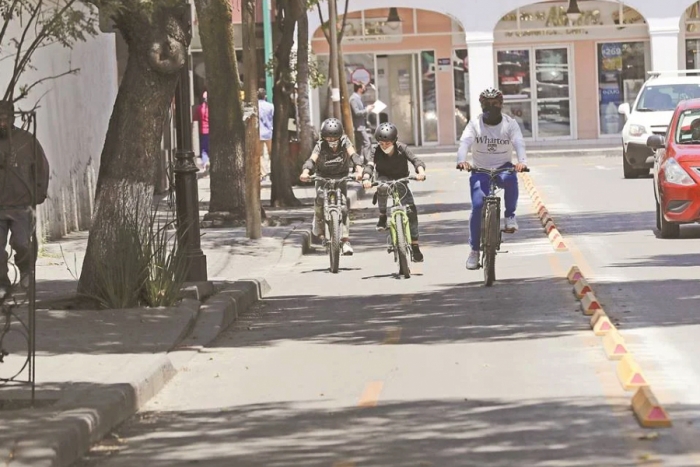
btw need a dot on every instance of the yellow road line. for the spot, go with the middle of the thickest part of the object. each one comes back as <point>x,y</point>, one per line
<point>370,396</point>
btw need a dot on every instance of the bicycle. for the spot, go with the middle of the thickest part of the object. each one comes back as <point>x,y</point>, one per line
<point>491,232</point>
<point>335,211</point>
<point>399,238</point>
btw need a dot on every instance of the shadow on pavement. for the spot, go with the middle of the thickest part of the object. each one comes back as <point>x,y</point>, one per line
<point>439,433</point>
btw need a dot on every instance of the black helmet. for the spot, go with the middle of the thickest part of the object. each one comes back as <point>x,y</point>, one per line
<point>490,93</point>
<point>332,128</point>
<point>387,132</point>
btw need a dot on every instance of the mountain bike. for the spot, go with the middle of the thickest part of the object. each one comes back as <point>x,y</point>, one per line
<point>335,211</point>
<point>491,232</point>
<point>399,238</point>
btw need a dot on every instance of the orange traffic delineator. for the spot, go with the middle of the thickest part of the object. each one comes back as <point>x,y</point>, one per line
<point>581,288</point>
<point>574,274</point>
<point>614,346</point>
<point>560,246</point>
<point>649,412</point>
<point>630,374</point>
<point>602,325</point>
<point>546,218</point>
<point>554,235</point>
<point>549,226</point>
<point>590,304</point>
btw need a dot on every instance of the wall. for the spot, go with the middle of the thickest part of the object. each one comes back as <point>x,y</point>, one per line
<point>71,125</point>
<point>586,89</point>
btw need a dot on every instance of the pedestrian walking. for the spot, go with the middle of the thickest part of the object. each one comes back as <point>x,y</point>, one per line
<point>359,121</point>
<point>202,116</point>
<point>24,181</point>
<point>267,114</point>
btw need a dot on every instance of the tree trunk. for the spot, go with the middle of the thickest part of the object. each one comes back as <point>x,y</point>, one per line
<point>158,41</point>
<point>306,131</point>
<point>287,15</point>
<point>252,130</point>
<point>226,127</point>
<point>345,97</point>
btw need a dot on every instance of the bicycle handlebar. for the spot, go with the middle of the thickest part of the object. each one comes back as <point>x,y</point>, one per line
<point>316,178</point>
<point>492,171</point>
<point>394,182</point>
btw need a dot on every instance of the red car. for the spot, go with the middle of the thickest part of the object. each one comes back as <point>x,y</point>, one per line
<point>677,170</point>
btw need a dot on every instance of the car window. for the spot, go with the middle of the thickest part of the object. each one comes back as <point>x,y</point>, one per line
<point>688,129</point>
<point>662,97</point>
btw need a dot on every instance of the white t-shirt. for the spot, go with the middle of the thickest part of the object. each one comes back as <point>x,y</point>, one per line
<point>492,146</point>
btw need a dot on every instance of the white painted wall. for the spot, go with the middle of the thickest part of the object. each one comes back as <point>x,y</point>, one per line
<point>71,125</point>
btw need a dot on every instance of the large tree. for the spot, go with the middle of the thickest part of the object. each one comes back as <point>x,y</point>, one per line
<point>226,134</point>
<point>304,126</point>
<point>158,33</point>
<point>287,14</point>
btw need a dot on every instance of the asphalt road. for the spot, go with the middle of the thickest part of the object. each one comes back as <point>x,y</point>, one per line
<point>365,369</point>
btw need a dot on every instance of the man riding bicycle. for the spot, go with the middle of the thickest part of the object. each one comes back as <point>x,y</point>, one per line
<point>331,158</point>
<point>491,137</point>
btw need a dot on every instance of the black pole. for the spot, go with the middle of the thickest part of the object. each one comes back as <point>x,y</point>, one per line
<point>186,192</point>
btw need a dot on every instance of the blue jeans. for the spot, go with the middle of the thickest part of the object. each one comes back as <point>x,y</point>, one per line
<point>204,148</point>
<point>479,187</point>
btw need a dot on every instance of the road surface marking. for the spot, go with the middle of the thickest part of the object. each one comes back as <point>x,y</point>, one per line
<point>370,396</point>
<point>393,335</point>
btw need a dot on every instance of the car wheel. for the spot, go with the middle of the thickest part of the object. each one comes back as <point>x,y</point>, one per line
<point>627,169</point>
<point>667,229</point>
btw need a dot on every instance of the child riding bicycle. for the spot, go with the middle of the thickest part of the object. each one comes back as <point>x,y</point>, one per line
<point>331,158</point>
<point>390,159</point>
<point>491,137</point>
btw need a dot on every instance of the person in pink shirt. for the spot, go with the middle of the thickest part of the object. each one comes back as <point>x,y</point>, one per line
<point>202,116</point>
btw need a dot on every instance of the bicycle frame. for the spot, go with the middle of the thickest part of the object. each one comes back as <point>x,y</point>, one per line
<point>397,213</point>
<point>333,199</point>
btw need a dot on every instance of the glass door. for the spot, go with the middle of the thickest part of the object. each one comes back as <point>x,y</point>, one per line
<point>513,70</point>
<point>546,97</point>
<point>552,93</point>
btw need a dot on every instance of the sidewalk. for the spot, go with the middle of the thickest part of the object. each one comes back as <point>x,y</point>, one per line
<point>95,368</point>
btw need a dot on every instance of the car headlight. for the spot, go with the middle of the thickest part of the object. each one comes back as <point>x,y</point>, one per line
<point>637,130</point>
<point>675,174</point>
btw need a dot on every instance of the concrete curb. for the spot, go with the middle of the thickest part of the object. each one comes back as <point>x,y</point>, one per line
<point>87,415</point>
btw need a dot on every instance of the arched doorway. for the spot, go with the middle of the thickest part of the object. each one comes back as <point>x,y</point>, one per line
<point>565,79</point>
<point>408,61</point>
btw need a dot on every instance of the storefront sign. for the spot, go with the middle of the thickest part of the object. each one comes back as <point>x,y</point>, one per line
<point>599,20</point>
<point>444,64</point>
<point>375,30</point>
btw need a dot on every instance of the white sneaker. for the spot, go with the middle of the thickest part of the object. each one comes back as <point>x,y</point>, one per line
<point>347,249</point>
<point>473,260</point>
<point>511,224</point>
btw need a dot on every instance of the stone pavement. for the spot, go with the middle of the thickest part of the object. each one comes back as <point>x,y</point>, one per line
<point>95,368</point>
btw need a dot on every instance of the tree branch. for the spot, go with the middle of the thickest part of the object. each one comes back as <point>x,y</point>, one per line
<point>13,81</point>
<point>7,20</point>
<point>341,33</point>
<point>25,91</point>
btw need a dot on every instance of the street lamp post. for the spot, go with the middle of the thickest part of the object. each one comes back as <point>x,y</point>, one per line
<point>186,191</point>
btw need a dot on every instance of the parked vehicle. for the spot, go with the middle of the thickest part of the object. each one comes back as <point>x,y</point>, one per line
<point>676,170</point>
<point>650,115</point>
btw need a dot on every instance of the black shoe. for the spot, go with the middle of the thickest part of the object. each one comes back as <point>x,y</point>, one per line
<point>417,255</point>
<point>381,224</point>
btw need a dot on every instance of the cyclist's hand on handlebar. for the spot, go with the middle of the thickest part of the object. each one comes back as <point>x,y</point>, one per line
<point>304,177</point>
<point>464,166</point>
<point>367,183</point>
<point>520,167</point>
<point>420,176</point>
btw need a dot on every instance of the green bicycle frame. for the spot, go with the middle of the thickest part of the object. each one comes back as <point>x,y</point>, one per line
<point>394,220</point>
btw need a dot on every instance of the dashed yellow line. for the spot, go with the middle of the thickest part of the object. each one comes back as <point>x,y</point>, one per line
<point>370,396</point>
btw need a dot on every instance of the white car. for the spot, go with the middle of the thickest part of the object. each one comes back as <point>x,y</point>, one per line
<point>651,115</point>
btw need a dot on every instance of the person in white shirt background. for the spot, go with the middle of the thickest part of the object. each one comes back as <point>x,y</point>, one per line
<point>491,137</point>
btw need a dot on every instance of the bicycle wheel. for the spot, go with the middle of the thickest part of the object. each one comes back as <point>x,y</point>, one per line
<point>490,242</point>
<point>334,247</point>
<point>402,247</point>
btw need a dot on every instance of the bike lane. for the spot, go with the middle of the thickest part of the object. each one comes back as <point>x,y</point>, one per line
<point>362,368</point>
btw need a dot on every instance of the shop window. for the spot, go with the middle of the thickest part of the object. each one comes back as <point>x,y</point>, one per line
<point>552,78</point>
<point>621,73</point>
<point>692,55</point>
<point>429,97</point>
<point>514,82</point>
<point>460,67</point>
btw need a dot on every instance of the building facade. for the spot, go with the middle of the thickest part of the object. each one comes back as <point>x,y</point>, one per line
<point>562,79</point>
